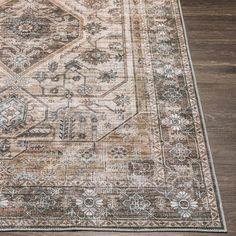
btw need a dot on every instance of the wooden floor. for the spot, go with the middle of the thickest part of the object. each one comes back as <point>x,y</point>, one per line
<point>211,29</point>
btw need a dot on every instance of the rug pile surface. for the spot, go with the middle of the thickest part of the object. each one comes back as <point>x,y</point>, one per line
<point>100,122</point>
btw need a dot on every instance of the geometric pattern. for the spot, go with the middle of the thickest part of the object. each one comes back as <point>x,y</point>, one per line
<point>100,122</point>
<point>30,32</point>
<point>19,111</point>
<point>12,113</point>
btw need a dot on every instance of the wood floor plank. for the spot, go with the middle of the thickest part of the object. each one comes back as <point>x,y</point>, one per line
<point>212,44</point>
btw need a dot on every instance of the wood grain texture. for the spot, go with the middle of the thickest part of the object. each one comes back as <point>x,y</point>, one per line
<point>212,39</point>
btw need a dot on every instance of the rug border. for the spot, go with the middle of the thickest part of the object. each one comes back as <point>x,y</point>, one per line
<point>211,163</point>
<point>211,160</point>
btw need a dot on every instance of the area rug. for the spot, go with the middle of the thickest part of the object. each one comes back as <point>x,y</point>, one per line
<point>100,122</point>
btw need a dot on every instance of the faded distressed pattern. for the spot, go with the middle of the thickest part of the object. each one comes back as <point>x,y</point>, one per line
<point>100,125</point>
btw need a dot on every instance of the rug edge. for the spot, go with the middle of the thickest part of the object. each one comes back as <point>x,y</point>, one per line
<point>223,230</point>
<point>211,160</point>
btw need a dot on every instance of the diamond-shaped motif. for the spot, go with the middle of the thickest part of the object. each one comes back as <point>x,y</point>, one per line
<point>19,112</point>
<point>12,113</point>
<point>32,30</point>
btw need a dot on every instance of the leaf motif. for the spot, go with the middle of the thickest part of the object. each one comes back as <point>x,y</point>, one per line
<point>53,66</point>
<point>64,128</point>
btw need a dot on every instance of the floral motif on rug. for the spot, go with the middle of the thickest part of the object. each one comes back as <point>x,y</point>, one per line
<point>100,122</point>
